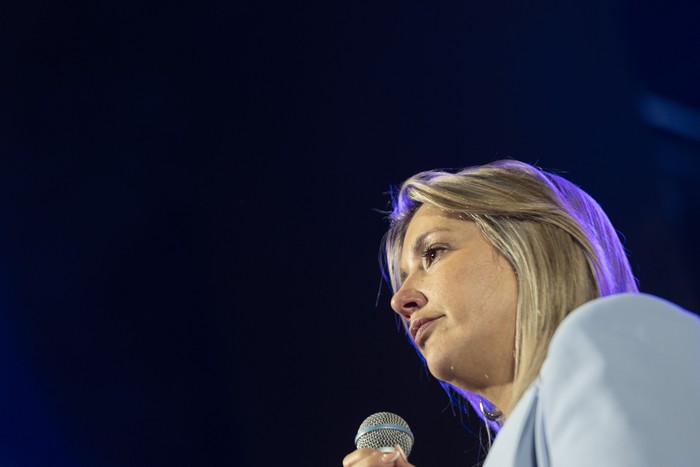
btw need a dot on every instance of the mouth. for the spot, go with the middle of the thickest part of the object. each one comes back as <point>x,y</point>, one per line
<point>418,329</point>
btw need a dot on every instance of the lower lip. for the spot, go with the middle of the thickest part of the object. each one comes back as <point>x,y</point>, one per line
<point>420,333</point>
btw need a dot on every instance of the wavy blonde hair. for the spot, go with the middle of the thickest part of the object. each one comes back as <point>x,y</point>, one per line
<point>560,243</point>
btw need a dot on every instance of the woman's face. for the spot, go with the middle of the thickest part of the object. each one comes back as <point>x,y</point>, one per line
<point>460,297</point>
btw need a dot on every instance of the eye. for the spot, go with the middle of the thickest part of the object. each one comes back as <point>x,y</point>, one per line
<point>431,254</point>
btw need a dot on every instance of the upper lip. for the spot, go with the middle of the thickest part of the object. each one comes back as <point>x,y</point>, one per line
<point>416,325</point>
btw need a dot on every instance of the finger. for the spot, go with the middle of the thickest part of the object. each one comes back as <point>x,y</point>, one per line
<point>402,460</point>
<point>362,454</point>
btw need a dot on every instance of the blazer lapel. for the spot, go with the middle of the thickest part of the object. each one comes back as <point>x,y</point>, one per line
<point>515,443</point>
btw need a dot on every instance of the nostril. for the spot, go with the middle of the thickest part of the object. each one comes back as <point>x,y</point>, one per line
<point>410,306</point>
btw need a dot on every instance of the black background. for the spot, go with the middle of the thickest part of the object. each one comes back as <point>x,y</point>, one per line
<point>190,197</point>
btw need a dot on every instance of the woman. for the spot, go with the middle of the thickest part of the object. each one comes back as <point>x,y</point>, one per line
<point>499,274</point>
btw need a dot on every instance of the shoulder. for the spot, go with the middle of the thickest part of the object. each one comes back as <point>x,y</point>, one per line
<point>635,318</point>
<point>623,308</point>
<point>622,333</point>
<point>618,364</point>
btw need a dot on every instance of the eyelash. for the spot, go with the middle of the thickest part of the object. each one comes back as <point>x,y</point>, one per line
<point>433,251</point>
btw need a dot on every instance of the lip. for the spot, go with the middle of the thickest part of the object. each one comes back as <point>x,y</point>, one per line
<point>419,327</point>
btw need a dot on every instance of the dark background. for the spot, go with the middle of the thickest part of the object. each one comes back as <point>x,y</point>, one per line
<point>189,197</point>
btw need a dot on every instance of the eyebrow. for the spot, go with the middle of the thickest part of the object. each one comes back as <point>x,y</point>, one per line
<point>419,247</point>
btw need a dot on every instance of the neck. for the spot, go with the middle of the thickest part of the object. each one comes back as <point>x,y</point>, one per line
<point>499,396</point>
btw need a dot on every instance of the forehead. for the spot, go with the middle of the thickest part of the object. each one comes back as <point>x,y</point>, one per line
<point>427,217</point>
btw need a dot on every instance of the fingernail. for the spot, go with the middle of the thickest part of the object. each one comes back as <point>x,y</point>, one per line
<point>390,457</point>
<point>399,449</point>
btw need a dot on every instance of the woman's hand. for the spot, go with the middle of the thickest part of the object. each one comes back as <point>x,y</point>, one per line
<point>366,457</point>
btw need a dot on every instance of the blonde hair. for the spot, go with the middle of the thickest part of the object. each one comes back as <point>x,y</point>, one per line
<point>562,247</point>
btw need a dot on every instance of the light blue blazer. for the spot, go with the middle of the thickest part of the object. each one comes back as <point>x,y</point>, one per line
<point>620,387</point>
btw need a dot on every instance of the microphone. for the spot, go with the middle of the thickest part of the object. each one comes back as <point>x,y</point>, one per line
<point>384,430</point>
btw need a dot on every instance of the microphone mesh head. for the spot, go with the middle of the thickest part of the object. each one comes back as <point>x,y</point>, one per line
<point>384,429</point>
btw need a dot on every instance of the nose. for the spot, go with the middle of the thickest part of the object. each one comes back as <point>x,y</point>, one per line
<point>408,300</point>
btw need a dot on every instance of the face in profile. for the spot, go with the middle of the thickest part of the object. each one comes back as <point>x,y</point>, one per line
<point>459,295</point>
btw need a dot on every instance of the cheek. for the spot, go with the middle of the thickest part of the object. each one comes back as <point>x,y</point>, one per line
<point>481,280</point>
<point>486,293</point>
